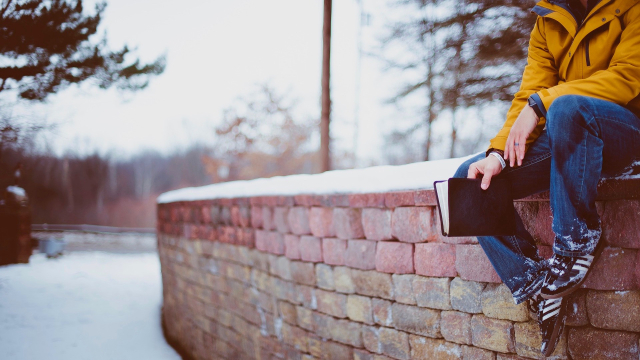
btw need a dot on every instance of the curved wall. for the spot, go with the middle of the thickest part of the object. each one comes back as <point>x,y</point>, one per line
<point>368,276</point>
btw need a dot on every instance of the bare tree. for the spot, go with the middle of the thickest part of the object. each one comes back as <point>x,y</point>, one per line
<point>325,119</point>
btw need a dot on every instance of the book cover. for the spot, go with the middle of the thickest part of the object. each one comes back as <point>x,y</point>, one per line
<point>467,210</point>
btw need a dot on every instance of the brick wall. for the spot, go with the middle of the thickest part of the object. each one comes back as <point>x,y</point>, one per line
<point>369,276</point>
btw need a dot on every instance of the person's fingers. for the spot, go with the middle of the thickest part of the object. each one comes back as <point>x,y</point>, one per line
<point>506,148</point>
<point>486,180</point>
<point>522,143</point>
<point>512,153</point>
<point>473,171</point>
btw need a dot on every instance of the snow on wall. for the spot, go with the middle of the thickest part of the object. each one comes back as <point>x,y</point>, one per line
<point>368,180</point>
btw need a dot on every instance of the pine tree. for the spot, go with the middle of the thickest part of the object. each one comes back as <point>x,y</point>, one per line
<point>47,45</point>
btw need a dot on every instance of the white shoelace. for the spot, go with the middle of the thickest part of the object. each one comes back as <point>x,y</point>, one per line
<point>583,263</point>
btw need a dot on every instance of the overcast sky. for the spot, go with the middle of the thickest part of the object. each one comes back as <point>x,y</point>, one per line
<point>217,51</point>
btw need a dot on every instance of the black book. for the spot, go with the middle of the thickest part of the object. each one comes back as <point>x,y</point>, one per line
<point>467,210</point>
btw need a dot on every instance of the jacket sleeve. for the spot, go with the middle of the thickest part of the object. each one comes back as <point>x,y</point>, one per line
<point>620,82</point>
<point>539,73</point>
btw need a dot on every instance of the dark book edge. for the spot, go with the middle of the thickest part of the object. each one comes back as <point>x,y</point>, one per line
<point>435,189</point>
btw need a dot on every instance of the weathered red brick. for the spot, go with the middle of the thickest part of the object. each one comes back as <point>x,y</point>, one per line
<point>276,243</point>
<point>262,240</point>
<point>399,198</point>
<point>537,217</point>
<point>292,246</point>
<point>321,222</point>
<point>589,343</point>
<point>255,201</point>
<point>303,200</point>
<point>377,224</point>
<point>333,251</point>
<point>245,236</point>
<point>361,254</point>
<point>621,223</point>
<point>285,201</point>
<point>425,198</point>
<point>434,259</point>
<point>240,216</point>
<point>299,220</point>
<point>348,223</point>
<point>394,257</point>
<point>414,224</point>
<point>267,218</point>
<point>256,217</point>
<point>545,251</point>
<point>638,270</point>
<point>613,270</point>
<point>473,264</point>
<point>280,219</point>
<point>366,200</point>
<point>311,248</point>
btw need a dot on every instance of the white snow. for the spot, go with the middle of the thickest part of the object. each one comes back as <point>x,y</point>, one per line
<point>85,305</point>
<point>368,180</point>
<point>16,190</point>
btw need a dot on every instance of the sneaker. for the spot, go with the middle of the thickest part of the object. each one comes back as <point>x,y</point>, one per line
<point>567,273</point>
<point>551,316</point>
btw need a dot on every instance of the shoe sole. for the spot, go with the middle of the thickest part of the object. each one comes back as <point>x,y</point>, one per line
<point>569,291</point>
<point>557,330</point>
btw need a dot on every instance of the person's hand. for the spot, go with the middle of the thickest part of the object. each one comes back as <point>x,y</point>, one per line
<point>520,131</point>
<point>488,167</point>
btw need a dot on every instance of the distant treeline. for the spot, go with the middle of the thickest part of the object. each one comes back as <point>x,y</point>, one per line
<point>94,189</point>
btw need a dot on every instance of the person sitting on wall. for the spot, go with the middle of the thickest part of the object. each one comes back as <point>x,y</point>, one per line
<point>574,119</point>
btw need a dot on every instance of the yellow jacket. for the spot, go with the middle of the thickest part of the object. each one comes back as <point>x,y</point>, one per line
<point>600,58</point>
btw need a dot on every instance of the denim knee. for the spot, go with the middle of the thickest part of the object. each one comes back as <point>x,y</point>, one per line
<point>565,112</point>
<point>463,169</point>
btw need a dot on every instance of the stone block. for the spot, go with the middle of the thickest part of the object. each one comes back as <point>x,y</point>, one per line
<point>497,303</point>
<point>267,218</point>
<point>432,292</point>
<point>361,254</point>
<point>292,246</point>
<point>343,280</point>
<point>613,270</point>
<point>348,223</point>
<point>427,348</point>
<point>262,240</point>
<point>287,312</point>
<point>492,334</point>
<point>294,336</point>
<point>306,295</point>
<point>621,223</point>
<point>280,219</point>
<point>394,343</point>
<point>370,339</point>
<point>435,259</point>
<point>466,296</point>
<point>303,273</point>
<point>281,266</point>
<point>456,327</point>
<point>333,251</point>
<point>324,277</point>
<point>473,264</point>
<point>577,309</point>
<point>331,303</point>
<point>403,288</point>
<point>399,198</point>
<point>347,332</point>
<point>324,324</point>
<point>589,343</point>
<point>333,351</point>
<point>394,257</point>
<point>377,224</point>
<point>615,310</point>
<point>321,222</point>
<point>372,283</point>
<point>311,248</point>
<point>256,217</point>
<point>474,353</point>
<point>366,200</point>
<point>414,224</point>
<point>529,341</point>
<point>298,219</point>
<point>382,313</point>
<point>275,243</point>
<point>416,320</point>
<point>362,355</point>
<point>304,318</point>
<point>359,308</point>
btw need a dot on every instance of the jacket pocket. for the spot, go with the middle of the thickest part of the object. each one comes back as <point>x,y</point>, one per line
<point>586,49</point>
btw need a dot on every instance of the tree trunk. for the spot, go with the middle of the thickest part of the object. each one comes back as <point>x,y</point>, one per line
<point>325,118</point>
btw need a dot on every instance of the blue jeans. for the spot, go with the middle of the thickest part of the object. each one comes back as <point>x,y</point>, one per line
<point>585,139</point>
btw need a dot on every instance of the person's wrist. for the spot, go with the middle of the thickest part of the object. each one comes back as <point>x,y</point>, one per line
<point>498,156</point>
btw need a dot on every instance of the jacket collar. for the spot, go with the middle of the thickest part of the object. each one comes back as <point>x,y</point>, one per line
<point>559,10</point>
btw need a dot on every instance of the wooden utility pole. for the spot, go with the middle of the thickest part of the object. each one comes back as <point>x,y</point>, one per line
<point>325,118</point>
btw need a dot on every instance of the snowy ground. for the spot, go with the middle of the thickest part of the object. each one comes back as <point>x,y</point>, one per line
<point>83,305</point>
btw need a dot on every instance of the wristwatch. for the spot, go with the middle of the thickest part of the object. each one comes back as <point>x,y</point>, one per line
<point>534,105</point>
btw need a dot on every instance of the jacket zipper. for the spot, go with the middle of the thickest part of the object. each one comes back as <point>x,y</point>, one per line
<point>586,48</point>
